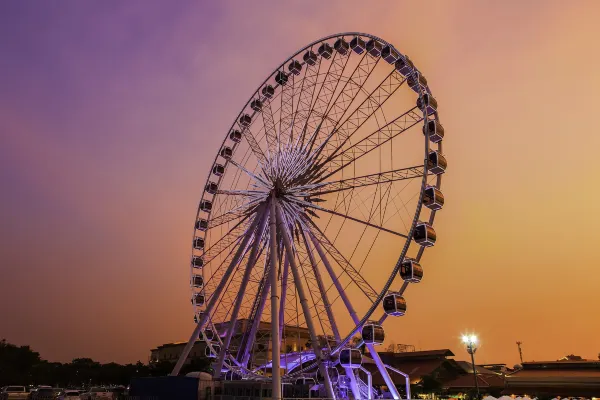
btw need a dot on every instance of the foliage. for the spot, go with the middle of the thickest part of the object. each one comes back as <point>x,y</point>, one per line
<point>23,366</point>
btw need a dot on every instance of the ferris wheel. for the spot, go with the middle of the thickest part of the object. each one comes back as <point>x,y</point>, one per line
<point>315,215</point>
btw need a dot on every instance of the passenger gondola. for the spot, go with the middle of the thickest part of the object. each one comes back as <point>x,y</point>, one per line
<point>427,103</point>
<point>199,243</point>
<point>358,45</point>
<point>373,333</point>
<point>325,50</point>
<point>212,353</point>
<point>411,271</point>
<point>197,261</point>
<point>436,163</point>
<point>197,281</point>
<point>211,187</point>
<point>198,299</point>
<point>202,225</point>
<point>350,358</point>
<point>281,78</point>
<point>295,67</point>
<point>389,54</point>
<point>394,305</point>
<point>226,152</point>
<point>206,205</point>
<point>424,234</point>
<point>245,120</point>
<point>417,82</point>
<point>310,57</point>
<point>435,130</point>
<point>218,170</point>
<point>374,48</point>
<point>404,66</point>
<point>268,91</point>
<point>433,198</point>
<point>256,105</point>
<point>235,136</point>
<point>341,46</point>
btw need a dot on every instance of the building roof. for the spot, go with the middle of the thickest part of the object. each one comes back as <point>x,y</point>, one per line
<point>468,368</point>
<point>465,382</point>
<point>442,353</point>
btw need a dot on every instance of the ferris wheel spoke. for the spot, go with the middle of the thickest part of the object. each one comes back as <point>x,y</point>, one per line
<point>255,316</point>
<point>367,108</point>
<point>380,178</point>
<point>317,236</point>
<point>321,287</point>
<point>340,160</point>
<point>309,84</point>
<point>269,124</point>
<point>314,289</point>
<point>372,225</point>
<point>252,142</point>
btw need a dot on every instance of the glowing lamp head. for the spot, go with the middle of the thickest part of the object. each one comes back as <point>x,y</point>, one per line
<point>469,339</point>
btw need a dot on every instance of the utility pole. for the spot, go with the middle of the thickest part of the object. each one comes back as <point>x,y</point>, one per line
<point>520,352</point>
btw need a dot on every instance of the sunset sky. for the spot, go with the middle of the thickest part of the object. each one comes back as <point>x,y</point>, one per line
<point>111,114</point>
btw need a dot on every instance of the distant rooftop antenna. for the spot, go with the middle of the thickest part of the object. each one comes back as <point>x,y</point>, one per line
<point>520,352</point>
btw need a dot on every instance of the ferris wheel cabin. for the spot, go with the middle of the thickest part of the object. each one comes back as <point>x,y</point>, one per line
<point>268,91</point>
<point>197,261</point>
<point>256,105</point>
<point>202,225</point>
<point>389,54</point>
<point>281,78</point>
<point>424,234</point>
<point>435,130</point>
<point>433,198</point>
<point>404,66</point>
<point>198,243</point>
<point>211,187</point>
<point>436,163</point>
<point>310,57</point>
<point>209,334</point>
<point>304,380</point>
<point>295,67</point>
<point>197,281</point>
<point>427,103</point>
<point>206,205</point>
<point>226,152</point>
<point>394,305</point>
<point>341,46</point>
<point>350,358</point>
<point>358,45</point>
<point>236,135</point>
<point>374,48</point>
<point>198,299</point>
<point>245,120</point>
<point>373,333</point>
<point>411,271</point>
<point>218,170</point>
<point>417,82</point>
<point>325,50</point>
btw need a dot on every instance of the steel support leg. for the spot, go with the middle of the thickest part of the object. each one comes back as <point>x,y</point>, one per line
<point>304,303</point>
<point>350,308</point>
<point>217,293</point>
<point>256,322</point>
<point>275,343</point>
<point>240,297</point>
<point>327,305</point>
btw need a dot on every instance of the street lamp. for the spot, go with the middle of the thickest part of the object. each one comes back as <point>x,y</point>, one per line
<point>471,342</point>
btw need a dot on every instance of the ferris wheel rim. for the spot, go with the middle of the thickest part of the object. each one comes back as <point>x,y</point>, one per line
<point>425,174</point>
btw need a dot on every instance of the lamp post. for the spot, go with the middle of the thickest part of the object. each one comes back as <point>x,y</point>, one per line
<point>471,342</point>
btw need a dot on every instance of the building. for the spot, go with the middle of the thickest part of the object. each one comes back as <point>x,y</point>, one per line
<point>294,339</point>
<point>434,371</point>
<point>569,377</point>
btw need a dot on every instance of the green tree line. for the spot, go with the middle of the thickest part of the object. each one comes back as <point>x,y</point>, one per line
<point>20,365</point>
